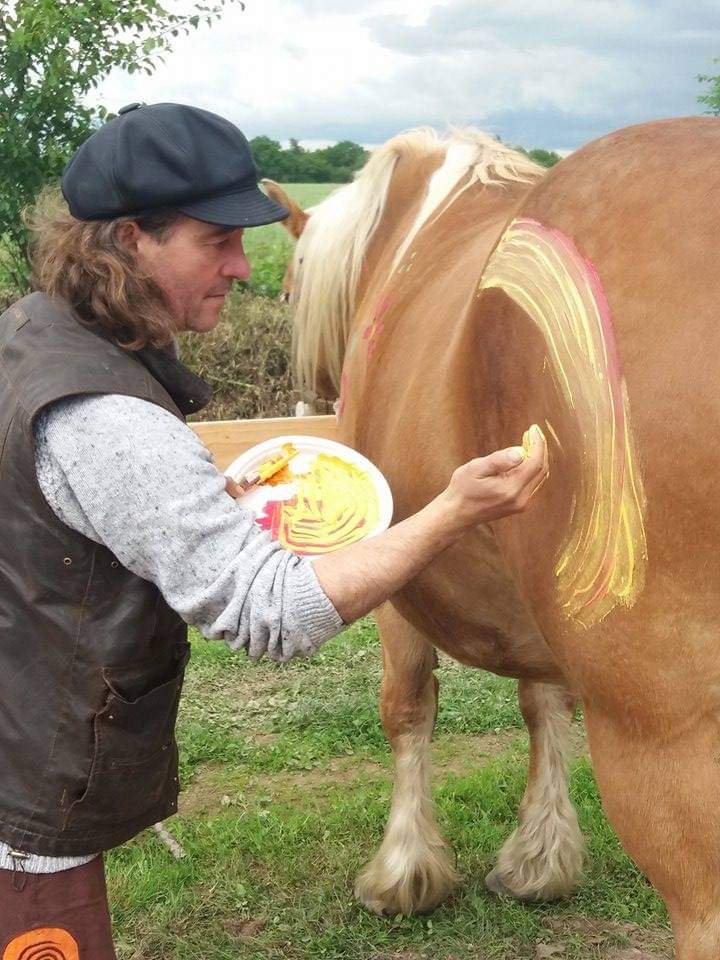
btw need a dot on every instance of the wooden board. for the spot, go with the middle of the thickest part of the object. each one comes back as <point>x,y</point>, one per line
<point>227,439</point>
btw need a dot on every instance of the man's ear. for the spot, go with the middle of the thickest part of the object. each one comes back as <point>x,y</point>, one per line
<point>295,223</point>
<point>128,233</point>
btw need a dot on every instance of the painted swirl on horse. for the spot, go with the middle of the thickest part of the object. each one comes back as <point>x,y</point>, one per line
<point>452,294</point>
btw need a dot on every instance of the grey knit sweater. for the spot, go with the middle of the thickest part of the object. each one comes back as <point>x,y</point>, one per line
<point>131,476</point>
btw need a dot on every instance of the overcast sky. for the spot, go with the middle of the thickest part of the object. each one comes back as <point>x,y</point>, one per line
<point>549,73</point>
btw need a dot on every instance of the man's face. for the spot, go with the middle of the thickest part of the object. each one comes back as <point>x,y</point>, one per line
<point>194,264</point>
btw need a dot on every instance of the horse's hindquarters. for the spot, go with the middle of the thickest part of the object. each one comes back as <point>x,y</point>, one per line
<point>617,553</point>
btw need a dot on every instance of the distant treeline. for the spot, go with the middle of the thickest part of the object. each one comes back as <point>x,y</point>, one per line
<point>335,164</point>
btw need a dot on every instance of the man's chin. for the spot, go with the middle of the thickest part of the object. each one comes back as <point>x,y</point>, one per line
<point>208,316</point>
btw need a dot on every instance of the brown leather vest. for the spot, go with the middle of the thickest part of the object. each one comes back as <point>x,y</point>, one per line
<point>91,656</point>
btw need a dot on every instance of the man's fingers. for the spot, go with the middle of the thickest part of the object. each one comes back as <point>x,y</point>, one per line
<point>232,488</point>
<point>498,463</point>
<point>525,461</point>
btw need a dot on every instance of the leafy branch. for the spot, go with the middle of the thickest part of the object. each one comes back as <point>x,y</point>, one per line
<point>53,53</point>
<point>711,99</point>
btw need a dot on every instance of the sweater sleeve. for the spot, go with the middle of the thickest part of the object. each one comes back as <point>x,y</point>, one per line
<point>132,477</point>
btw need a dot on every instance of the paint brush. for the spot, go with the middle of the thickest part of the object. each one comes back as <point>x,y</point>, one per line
<point>267,470</point>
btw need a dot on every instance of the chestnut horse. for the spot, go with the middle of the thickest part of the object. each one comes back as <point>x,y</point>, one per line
<point>452,294</point>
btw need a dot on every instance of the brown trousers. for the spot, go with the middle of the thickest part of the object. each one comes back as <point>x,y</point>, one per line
<point>60,915</point>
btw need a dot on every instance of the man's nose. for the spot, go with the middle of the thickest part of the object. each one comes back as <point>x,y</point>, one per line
<point>238,267</point>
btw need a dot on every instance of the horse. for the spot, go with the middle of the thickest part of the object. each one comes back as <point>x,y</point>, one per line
<point>451,294</point>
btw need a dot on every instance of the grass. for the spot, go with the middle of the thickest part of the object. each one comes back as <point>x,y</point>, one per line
<point>286,780</point>
<point>269,248</point>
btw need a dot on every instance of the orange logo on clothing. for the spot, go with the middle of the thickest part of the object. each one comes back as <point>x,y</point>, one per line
<point>43,943</point>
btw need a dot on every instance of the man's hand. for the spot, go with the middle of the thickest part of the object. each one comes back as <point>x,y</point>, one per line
<point>232,488</point>
<point>359,577</point>
<point>500,484</point>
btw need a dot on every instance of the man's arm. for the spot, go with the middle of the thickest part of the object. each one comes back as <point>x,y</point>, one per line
<point>129,475</point>
<point>360,577</point>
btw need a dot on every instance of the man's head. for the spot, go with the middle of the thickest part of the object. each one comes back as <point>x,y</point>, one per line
<point>157,199</point>
<point>193,263</point>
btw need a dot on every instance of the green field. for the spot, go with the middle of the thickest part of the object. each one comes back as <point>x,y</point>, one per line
<point>269,248</point>
<point>286,780</point>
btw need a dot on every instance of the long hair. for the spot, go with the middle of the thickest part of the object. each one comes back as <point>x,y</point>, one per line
<point>85,264</point>
<point>330,253</point>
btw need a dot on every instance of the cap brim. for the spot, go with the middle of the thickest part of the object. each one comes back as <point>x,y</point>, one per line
<point>244,208</point>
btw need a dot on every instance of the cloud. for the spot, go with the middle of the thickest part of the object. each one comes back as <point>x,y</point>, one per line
<point>552,73</point>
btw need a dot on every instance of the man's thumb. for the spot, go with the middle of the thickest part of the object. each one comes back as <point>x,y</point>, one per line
<point>500,462</point>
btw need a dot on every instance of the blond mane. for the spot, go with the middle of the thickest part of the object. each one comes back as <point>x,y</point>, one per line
<point>330,253</point>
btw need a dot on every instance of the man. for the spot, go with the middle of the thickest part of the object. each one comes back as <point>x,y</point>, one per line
<point>118,530</point>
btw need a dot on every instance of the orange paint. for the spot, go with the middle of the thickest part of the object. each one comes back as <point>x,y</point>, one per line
<point>269,469</point>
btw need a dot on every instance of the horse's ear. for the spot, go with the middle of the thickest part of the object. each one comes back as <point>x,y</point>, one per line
<point>295,223</point>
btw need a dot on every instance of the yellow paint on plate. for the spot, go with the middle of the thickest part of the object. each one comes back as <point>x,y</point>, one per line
<point>335,504</point>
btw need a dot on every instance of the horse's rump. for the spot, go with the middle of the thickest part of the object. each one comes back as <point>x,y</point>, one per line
<point>646,239</point>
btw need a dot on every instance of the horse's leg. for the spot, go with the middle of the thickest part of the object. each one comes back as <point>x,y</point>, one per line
<point>662,796</point>
<point>543,858</point>
<point>412,871</point>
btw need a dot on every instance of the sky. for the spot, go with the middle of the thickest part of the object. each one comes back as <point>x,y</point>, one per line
<point>539,73</point>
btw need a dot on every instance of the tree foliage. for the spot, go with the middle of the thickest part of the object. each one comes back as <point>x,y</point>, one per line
<point>53,53</point>
<point>546,158</point>
<point>296,164</point>
<point>335,164</point>
<point>711,97</point>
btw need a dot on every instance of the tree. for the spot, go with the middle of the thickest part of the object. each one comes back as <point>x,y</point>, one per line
<point>546,158</point>
<point>270,157</point>
<point>711,98</point>
<point>297,164</point>
<point>52,54</point>
<point>344,158</point>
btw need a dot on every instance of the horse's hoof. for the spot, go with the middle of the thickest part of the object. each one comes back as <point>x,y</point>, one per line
<point>412,891</point>
<point>495,885</point>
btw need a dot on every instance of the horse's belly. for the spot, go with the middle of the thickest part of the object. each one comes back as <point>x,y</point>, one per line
<point>466,605</point>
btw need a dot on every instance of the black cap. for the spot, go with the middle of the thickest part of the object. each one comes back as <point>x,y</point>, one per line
<point>168,155</point>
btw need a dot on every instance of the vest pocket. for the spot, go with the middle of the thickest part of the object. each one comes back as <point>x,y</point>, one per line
<point>134,764</point>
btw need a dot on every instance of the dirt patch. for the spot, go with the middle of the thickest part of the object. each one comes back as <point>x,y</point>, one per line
<point>244,689</point>
<point>263,739</point>
<point>215,786</point>
<point>245,929</point>
<point>460,754</point>
<point>612,939</point>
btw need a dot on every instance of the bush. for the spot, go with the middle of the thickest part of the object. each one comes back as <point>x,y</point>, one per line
<point>246,360</point>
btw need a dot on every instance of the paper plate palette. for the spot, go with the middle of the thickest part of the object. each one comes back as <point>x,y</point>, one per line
<point>326,497</point>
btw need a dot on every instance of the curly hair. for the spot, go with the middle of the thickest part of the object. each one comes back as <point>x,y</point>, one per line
<point>84,263</point>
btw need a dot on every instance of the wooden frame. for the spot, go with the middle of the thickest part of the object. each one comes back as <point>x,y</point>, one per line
<point>227,439</point>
